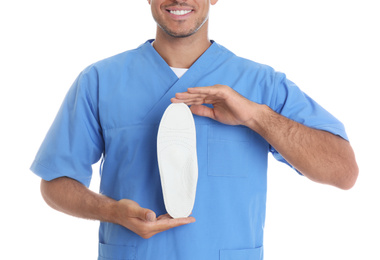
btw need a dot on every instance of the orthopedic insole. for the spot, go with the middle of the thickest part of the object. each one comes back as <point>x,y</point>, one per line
<point>177,159</point>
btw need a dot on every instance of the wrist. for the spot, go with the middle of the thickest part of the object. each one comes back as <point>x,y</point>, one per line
<point>258,112</point>
<point>113,212</point>
<point>108,210</point>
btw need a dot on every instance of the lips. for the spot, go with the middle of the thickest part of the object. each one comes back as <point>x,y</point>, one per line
<point>179,10</point>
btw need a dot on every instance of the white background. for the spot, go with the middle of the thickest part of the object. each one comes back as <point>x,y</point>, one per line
<point>330,48</point>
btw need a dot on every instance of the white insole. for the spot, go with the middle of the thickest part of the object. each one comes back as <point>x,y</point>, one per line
<point>177,159</point>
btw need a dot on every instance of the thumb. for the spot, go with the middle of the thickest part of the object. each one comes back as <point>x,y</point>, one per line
<point>150,215</point>
<point>136,211</point>
<point>145,214</point>
<point>201,110</point>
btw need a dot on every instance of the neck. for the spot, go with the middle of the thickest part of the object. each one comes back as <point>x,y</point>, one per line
<point>181,52</point>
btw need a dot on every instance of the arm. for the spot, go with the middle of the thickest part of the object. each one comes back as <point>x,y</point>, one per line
<point>73,198</point>
<point>319,155</point>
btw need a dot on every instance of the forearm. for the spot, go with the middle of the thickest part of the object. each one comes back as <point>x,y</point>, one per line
<point>319,155</point>
<point>73,198</point>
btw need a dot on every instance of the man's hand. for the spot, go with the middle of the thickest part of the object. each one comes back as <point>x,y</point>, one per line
<point>73,198</point>
<point>143,221</point>
<point>321,156</point>
<point>229,107</point>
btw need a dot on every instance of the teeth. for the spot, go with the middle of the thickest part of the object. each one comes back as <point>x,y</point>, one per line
<point>180,12</point>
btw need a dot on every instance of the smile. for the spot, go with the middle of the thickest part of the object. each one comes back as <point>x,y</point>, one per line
<point>179,12</point>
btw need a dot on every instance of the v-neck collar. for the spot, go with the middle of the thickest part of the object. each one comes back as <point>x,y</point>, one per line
<point>175,84</point>
<point>200,64</point>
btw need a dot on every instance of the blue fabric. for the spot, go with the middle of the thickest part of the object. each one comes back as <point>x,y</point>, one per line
<point>112,112</point>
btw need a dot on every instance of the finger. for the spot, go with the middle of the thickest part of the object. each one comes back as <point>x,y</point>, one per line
<point>167,219</point>
<point>135,211</point>
<point>209,90</point>
<point>215,92</point>
<point>194,99</point>
<point>200,90</point>
<point>188,102</point>
<point>166,222</point>
<point>150,216</point>
<point>190,96</point>
<point>201,110</point>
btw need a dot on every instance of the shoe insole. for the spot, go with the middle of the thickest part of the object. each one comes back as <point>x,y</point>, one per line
<point>177,159</point>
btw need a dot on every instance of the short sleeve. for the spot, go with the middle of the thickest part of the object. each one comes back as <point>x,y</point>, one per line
<point>74,141</point>
<point>289,101</point>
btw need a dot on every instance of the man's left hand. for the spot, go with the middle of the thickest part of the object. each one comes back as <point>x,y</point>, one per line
<point>229,107</point>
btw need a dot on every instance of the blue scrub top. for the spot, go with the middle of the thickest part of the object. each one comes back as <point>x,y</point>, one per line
<point>112,112</point>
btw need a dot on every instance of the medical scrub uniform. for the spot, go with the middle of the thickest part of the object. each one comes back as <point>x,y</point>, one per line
<point>112,112</point>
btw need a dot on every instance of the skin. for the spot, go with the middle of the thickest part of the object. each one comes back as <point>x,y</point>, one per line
<point>319,155</point>
<point>73,198</point>
<point>184,39</point>
<point>180,41</point>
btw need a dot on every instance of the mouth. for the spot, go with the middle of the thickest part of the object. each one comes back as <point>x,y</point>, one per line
<point>179,12</point>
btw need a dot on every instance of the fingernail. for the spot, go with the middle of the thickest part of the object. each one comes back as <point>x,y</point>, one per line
<point>151,217</point>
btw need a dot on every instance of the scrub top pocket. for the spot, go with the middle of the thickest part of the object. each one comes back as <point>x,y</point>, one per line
<point>232,150</point>
<point>113,252</point>
<point>242,254</point>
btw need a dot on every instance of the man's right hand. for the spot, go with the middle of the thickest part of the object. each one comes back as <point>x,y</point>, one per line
<point>73,198</point>
<point>143,221</point>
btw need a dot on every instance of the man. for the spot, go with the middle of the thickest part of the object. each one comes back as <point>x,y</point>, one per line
<point>241,109</point>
